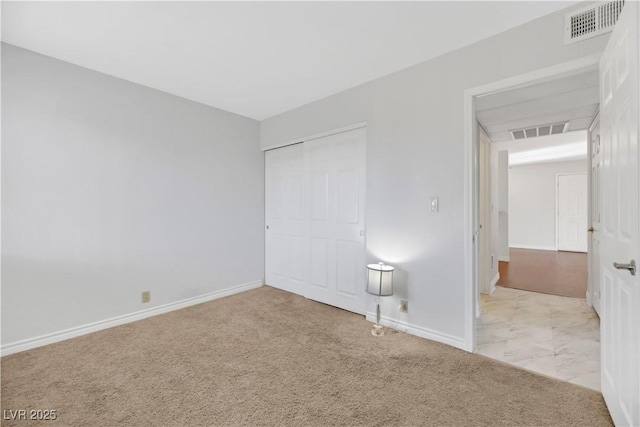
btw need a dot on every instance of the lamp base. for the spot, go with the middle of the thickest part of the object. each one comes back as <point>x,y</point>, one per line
<point>377,330</point>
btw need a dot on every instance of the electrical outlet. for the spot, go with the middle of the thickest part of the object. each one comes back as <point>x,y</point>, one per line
<point>146,296</point>
<point>404,306</point>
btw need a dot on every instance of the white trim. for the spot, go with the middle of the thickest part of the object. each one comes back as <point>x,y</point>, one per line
<point>471,300</point>
<point>77,331</point>
<point>503,258</point>
<point>419,331</point>
<point>570,67</point>
<point>494,282</point>
<point>315,136</point>
<point>534,247</point>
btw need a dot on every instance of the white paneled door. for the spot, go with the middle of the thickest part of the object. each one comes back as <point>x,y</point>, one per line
<point>315,198</point>
<point>572,213</point>
<point>286,219</point>
<point>620,219</point>
<point>335,167</point>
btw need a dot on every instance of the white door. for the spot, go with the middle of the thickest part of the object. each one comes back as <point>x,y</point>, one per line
<point>285,218</point>
<point>314,219</point>
<point>596,206</point>
<point>619,239</point>
<point>572,212</point>
<point>335,168</point>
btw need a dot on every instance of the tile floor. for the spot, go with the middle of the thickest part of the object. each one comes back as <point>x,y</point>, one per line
<point>553,335</point>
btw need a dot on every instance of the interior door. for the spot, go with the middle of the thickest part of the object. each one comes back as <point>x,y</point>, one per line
<point>620,295</point>
<point>596,207</point>
<point>335,167</point>
<point>285,218</point>
<point>572,213</point>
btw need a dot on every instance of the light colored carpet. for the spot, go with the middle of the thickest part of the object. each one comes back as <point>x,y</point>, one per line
<point>267,357</point>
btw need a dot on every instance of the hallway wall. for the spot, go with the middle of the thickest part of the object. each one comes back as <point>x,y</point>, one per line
<point>532,203</point>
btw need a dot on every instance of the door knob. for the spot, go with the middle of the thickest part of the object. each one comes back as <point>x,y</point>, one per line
<point>591,230</point>
<point>631,266</point>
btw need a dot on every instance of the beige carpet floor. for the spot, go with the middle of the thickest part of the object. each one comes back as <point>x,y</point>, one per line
<point>267,357</point>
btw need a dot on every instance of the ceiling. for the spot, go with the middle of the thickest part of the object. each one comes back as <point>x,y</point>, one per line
<point>257,59</point>
<point>570,99</point>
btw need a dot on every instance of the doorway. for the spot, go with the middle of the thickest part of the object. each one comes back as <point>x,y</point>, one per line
<point>541,129</point>
<point>471,172</point>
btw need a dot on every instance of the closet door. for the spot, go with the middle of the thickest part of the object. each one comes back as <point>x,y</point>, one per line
<point>314,219</point>
<point>335,169</point>
<point>285,219</point>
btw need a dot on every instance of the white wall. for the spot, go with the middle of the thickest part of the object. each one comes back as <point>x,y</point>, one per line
<point>110,188</point>
<point>532,203</point>
<point>415,149</point>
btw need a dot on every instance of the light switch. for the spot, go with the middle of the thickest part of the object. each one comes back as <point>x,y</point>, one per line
<point>434,204</point>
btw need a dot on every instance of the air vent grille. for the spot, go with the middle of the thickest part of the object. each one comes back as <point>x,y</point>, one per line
<point>544,130</point>
<point>591,21</point>
<point>608,14</point>
<point>583,23</point>
<point>539,131</point>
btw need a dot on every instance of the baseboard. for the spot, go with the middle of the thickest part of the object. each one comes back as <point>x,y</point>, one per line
<point>503,258</point>
<point>535,247</point>
<point>18,346</point>
<point>494,281</point>
<point>418,331</point>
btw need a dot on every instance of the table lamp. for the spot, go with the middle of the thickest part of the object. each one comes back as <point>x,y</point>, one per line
<point>380,284</point>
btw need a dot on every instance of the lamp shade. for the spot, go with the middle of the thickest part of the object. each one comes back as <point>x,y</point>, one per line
<point>380,279</point>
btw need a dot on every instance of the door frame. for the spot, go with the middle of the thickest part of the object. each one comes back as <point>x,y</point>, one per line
<point>557,213</point>
<point>484,214</point>
<point>471,177</point>
<point>590,278</point>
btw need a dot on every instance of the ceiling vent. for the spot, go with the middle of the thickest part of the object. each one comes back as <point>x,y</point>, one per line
<point>540,131</point>
<point>591,21</point>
